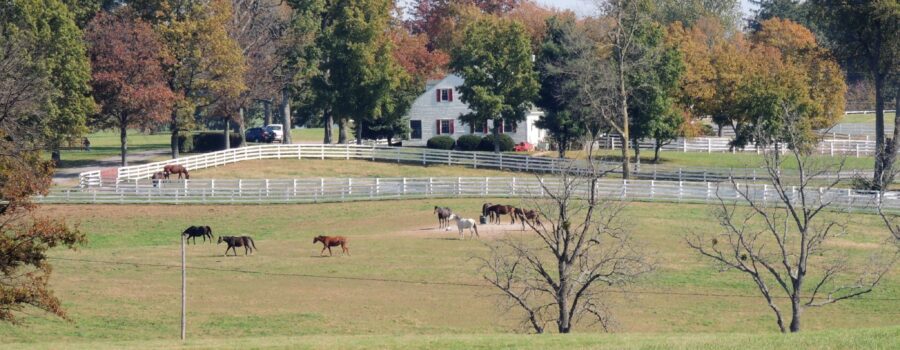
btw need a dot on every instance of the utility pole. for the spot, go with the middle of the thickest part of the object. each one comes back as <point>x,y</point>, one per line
<point>183,290</point>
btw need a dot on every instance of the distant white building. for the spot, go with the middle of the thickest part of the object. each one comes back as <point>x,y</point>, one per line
<point>436,112</point>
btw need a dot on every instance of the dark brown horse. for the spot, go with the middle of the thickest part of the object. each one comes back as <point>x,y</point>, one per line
<point>498,210</point>
<point>238,241</point>
<point>332,241</point>
<point>198,231</point>
<point>443,215</point>
<point>527,215</point>
<point>176,169</point>
<point>484,209</point>
<point>157,177</point>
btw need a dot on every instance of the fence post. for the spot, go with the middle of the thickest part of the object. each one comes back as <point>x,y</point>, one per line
<point>514,187</point>
<point>267,187</point>
<point>487,185</point>
<point>684,144</point>
<point>458,186</point>
<point>294,192</point>
<point>321,189</point>
<point>857,150</point>
<point>475,160</point>
<point>526,163</point>
<point>430,187</point>
<point>832,148</point>
<point>349,186</point>
<point>449,156</point>
<point>377,186</point>
<point>765,189</point>
<point>680,191</point>
<point>624,188</point>
<point>423,157</point>
<point>404,186</point>
<point>541,180</point>
<point>708,191</point>
<point>501,161</point>
<point>709,145</point>
<point>373,151</point>
<point>652,188</point>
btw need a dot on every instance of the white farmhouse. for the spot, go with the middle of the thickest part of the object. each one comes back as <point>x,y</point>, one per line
<point>436,112</point>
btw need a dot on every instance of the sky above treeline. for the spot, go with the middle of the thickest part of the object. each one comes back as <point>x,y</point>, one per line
<point>586,7</point>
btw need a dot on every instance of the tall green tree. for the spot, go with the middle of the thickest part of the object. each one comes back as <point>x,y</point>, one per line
<point>60,53</point>
<point>564,121</point>
<point>653,109</point>
<point>206,64</point>
<point>496,62</point>
<point>864,35</point>
<point>689,12</point>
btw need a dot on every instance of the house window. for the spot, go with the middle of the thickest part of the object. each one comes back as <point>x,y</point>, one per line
<point>444,126</point>
<point>416,129</point>
<point>444,95</point>
<point>509,126</point>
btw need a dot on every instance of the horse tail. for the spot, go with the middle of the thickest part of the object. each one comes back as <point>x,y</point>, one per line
<point>475,226</point>
<point>252,244</point>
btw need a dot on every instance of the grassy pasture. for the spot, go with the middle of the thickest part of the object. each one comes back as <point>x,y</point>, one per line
<point>294,168</point>
<point>866,118</point>
<point>676,160</point>
<point>105,144</point>
<point>281,300</point>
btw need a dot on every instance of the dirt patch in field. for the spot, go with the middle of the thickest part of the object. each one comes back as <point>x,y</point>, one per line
<point>489,231</point>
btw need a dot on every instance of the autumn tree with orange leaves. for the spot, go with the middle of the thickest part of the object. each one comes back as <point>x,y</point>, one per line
<point>127,78</point>
<point>25,237</point>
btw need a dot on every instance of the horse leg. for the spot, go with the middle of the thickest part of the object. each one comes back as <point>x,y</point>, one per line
<point>323,251</point>
<point>329,251</point>
<point>345,249</point>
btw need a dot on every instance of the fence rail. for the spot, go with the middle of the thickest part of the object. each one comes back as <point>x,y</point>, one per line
<point>421,156</point>
<point>832,147</point>
<point>316,190</point>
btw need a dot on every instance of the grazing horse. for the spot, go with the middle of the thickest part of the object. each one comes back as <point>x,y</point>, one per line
<point>499,210</point>
<point>484,209</point>
<point>198,231</point>
<point>527,215</point>
<point>463,224</point>
<point>332,241</point>
<point>443,215</point>
<point>238,241</point>
<point>157,177</point>
<point>176,169</point>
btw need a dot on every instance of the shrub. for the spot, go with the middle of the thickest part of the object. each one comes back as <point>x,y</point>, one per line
<point>468,142</point>
<point>185,142</point>
<point>211,141</point>
<point>506,143</point>
<point>441,142</point>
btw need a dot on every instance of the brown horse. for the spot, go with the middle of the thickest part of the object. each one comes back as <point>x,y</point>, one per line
<point>238,241</point>
<point>527,215</point>
<point>443,215</point>
<point>176,169</point>
<point>484,209</point>
<point>498,210</point>
<point>332,241</point>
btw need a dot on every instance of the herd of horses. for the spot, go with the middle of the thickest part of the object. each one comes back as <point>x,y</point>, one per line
<point>491,213</point>
<point>233,242</point>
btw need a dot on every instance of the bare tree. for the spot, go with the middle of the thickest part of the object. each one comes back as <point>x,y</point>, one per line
<point>582,249</point>
<point>778,234</point>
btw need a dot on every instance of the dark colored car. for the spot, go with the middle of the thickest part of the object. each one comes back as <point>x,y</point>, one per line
<point>260,135</point>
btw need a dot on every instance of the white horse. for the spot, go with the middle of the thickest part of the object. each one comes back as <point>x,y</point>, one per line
<point>463,224</point>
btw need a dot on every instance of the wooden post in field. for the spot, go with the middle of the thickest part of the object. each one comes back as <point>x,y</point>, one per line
<point>183,290</point>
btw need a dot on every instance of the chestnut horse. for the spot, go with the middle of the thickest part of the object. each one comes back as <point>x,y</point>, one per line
<point>332,241</point>
<point>443,215</point>
<point>527,215</point>
<point>499,210</point>
<point>176,169</point>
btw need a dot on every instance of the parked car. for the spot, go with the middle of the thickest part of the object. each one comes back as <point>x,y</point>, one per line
<point>523,147</point>
<point>277,130</point>
<point>260,135</point>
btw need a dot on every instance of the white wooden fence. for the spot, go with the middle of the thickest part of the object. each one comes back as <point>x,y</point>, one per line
<point>316,190</point>
<point>833,147</point>
<point>418,156</point>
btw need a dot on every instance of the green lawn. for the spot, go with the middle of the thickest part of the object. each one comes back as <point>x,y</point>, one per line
<point>282,299</point>
<point>106,144</point>
<point>674,160</point>
<point>294,168</point>
<point>312,134</point>
<point>865,118</point>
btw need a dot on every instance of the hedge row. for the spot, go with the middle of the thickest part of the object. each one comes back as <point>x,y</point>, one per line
<point>206,141</point>
<point>471,143</point>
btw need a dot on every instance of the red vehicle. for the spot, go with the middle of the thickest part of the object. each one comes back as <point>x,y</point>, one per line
<point>523,147</point>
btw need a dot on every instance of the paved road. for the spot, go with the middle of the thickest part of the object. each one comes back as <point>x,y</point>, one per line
<point>69,176</point>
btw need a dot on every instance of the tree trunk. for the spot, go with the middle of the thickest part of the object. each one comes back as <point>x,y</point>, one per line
<point>240,130</point>
<point>637,155</point>
<point>623,102</point>
<point>267,113</point>
<point>123,139</point>
<point>656,152</point>
<point>174,139</point>
<point>496,132</point>
<point>796,310</point>
<point>286,114</point>
<point>880,158</point>
<point>328,119</point>
<point>359,128</point>
<point>720,129</point>
<point>561,148</point>
<point>342,130</point>
<point>227,133</point>
<point>564,321</point>
<point>891,152</point>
